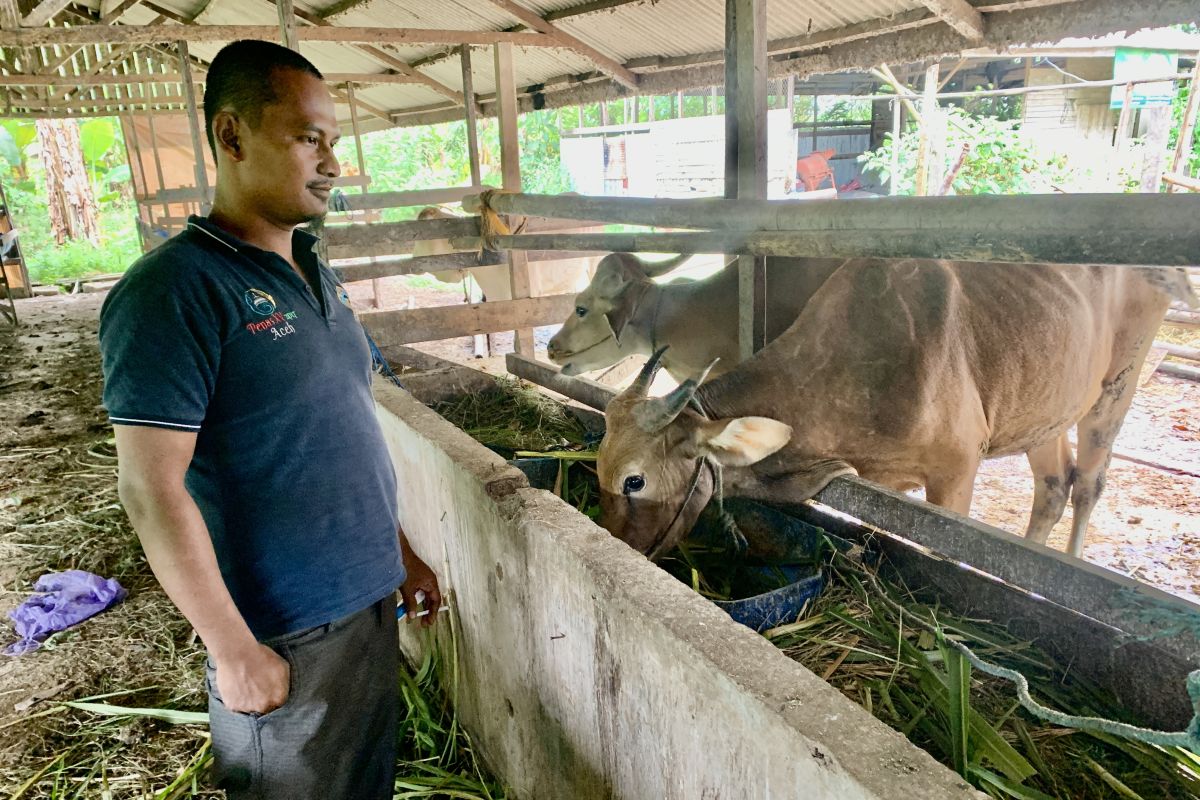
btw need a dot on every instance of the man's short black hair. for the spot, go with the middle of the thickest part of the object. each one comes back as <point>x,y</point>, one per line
<point>240,78</point>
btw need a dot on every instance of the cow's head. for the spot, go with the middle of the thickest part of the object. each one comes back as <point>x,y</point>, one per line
<point>658,461</point>
<point>591,338</point>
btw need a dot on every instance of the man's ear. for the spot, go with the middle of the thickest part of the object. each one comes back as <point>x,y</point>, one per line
<point>741,441</point>
<point>227,131</point>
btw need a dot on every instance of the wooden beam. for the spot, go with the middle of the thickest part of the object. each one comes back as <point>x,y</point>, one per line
<point>583,390</point>
<point>354,128</point>
<point>420,197</point>
<point>389,328</point>
<point>148,34</point>
<point>1041,244</point>
<point>341,7</point>
<point>1183,147</point>
<point>746,150</point>
<point>960,15</point>
<point>43,12</point>
<point>472,110</point>
<point>389,267</point>
<point>510,169</point>
<point>388,59</point>
<point>199,139</point>
<point>287,24</point>
<point>607,65</point>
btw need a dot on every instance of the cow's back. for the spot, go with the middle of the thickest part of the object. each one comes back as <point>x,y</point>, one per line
<point>889,355</point>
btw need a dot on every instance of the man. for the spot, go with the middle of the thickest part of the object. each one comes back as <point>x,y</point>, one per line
<point>251,463</point>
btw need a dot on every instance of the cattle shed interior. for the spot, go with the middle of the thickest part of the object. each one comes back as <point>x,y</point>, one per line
<point>413,62</point>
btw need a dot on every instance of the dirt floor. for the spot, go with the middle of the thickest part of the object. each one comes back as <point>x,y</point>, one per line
<point>59,510</point>
<point>1147,523</point>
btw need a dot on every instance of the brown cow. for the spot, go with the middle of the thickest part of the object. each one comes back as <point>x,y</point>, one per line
<point>908,373</point>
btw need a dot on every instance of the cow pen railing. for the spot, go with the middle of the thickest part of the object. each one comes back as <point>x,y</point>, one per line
<point>375,250</point>
<point>1125,230</point>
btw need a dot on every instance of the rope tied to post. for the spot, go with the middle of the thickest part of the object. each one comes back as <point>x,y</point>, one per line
<point>1188,739</point>
<point>491,224</point>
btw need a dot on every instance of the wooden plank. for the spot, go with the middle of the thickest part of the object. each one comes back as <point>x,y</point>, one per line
<point>419,197</point>
<point>1182,182</point>
<point>1174,248</point>
<point>960,15</point>
<point>930,142</point>
<point>43,12</point>
<point>1105,596</point>
<point>1183,147</point>
<point>510,169</point>
<point>746,150</point>
<point>607,64</point>
<point>1163,214</point>
<point>198,138</point>
<point>583,390</point>
<point>387,58</point>
<point>431,324</point>
<point>287,24</point>
<point>391,267</point>
<point>358,145</point>
<point>152,34</point>
<point>471,109</point>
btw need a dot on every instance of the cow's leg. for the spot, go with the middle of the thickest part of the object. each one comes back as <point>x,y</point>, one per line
<point>953,488</point>
<point>1097,431</point>
<point>1053,473</point>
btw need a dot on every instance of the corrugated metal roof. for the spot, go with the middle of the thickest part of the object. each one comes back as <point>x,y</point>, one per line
<point>644,29</point>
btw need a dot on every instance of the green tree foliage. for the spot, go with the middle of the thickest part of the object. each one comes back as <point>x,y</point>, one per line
<point>25,187</point>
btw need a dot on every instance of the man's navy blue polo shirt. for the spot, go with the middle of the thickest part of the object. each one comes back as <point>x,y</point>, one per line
<point>291,473</point>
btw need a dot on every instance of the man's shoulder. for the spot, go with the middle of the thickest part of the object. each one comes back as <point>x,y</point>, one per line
<point>179,271</point>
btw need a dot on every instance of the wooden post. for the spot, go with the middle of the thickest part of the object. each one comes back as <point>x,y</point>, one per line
<point>927,175</point>
<point>791,98</point>
<point>679,104</point>
<point>287,24</point>
<point>189,93</point>
<point>510,168</point>
<point>1126,114</point>
<point>746,149</point>
<point>1186,130</point>
<point>895,169</point>
<point>470,110</point>
<point>1158,129</point>
<point>651,113</point>
<point>603,114</point>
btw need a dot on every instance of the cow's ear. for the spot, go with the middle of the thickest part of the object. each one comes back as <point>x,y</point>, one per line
<point>741,441</point>
<point>618,318</point>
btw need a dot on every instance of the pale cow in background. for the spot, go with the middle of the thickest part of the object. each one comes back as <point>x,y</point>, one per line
<point>561,276</point>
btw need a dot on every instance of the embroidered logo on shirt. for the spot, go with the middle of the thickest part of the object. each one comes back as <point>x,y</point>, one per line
<point>343,295</point>
<point>260,302</point>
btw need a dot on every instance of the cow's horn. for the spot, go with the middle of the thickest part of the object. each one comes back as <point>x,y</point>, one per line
<point>654,414</point>
<point>655,269</point>
<point>641,384</point>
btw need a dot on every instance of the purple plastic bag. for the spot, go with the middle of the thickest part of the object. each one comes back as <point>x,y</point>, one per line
<point>62,600</point>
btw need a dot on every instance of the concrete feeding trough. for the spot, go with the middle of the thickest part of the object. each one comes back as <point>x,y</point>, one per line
<point>585,671</point>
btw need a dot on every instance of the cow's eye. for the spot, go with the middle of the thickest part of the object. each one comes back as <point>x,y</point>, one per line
<point>580,311</point>
<point>634,483</point>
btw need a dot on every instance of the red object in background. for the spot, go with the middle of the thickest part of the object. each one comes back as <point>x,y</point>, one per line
<point>814,169</point>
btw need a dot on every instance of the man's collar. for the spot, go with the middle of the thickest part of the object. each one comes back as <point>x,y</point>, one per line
<point>204,225</point>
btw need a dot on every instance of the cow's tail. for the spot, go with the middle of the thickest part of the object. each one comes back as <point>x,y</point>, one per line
<point>1172,281</point>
